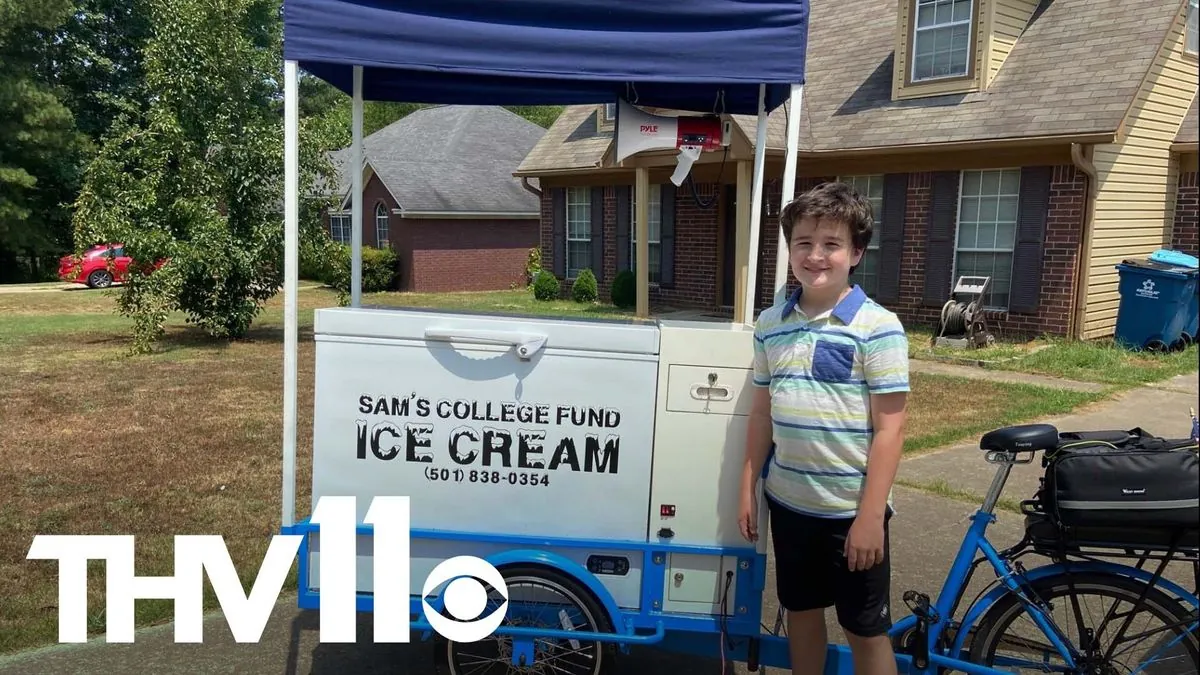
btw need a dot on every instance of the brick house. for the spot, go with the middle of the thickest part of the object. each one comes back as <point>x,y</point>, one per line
<point>1027,140</point>
<point>438,188</point>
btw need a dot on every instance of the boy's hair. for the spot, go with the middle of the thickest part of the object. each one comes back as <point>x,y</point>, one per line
<point>831,201</point>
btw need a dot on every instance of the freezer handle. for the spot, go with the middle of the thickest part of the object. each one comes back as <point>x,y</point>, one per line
<point>527,344</point>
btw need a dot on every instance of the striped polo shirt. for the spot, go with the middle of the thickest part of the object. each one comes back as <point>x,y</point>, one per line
<point>821,372</point>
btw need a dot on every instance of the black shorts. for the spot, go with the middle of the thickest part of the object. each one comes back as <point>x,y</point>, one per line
<point>812,573</point>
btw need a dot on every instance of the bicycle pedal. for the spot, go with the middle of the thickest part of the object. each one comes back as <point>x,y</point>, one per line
<point>919,605</point>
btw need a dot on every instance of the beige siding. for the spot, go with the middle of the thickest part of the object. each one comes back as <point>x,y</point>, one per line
<point>1136,179</point>
<point>905,15</point>
<point>1008,21</point>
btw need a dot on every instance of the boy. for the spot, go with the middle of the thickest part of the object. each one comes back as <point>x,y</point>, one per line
<point>831,376</point>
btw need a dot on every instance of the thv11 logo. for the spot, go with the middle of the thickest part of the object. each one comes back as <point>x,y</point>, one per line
<point>464,598</point>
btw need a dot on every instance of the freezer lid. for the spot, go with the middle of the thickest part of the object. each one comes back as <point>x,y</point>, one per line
<point>592,335</point>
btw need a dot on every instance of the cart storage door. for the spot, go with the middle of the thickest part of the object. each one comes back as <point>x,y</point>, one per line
<point>443,408</point>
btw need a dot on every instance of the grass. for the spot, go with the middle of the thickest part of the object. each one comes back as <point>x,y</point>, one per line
<point>186,440</point>
<point>1100,361</point>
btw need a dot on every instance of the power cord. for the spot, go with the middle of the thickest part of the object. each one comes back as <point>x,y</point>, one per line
<point>724,610</point>
<point>717,193</point>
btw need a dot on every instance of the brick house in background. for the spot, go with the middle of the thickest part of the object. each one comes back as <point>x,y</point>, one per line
<point>438,188</point>
<point>1027,140</point>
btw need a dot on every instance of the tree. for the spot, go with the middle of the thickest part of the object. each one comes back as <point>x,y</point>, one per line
<point>40,149</point>
<point>196,181</point>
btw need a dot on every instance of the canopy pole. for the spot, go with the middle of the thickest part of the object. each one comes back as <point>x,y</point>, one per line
<point>356,210</point>
<point>291,269</point>
<point>789,187</point>
<point>641,199</point>
<point>756,200</point>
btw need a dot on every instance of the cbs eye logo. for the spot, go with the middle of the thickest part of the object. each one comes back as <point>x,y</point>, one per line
<point>464,598</point>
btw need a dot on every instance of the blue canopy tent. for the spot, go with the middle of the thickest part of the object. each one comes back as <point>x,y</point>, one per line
<point>704,56</point>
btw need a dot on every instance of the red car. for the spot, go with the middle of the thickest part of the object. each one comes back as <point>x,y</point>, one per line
<point>93,269</point>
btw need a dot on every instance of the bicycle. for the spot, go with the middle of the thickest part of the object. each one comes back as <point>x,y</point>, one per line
<point>936,642</point>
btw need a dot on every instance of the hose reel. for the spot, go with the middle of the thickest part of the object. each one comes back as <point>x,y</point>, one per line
<point>963,319</point>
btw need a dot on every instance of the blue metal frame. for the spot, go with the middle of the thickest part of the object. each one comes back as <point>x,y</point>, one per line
<point>702,634</point>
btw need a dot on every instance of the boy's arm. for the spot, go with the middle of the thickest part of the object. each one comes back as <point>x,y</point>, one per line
<point>887,417</point>
<point>885,369</point>
<point>760,431</point>
<point>758,438</point>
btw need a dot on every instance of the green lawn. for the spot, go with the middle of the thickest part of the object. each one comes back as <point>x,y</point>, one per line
<point>1099,361</point>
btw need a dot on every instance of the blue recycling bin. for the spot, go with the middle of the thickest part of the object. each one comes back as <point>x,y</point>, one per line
<point>1155,301</point>
<point>1191,322</point>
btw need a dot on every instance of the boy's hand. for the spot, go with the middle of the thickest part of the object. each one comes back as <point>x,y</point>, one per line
<point>864,543</point>
<point>748,516</point>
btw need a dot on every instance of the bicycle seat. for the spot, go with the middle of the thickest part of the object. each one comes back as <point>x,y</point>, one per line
<point>1021,438</point>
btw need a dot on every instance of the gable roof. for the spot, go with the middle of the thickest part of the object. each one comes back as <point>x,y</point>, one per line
<point>1187,131</point>
<point>450,158</point>
<point>1074,71</point>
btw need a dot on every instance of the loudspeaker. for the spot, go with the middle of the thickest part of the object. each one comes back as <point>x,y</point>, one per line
<point>639,131</point>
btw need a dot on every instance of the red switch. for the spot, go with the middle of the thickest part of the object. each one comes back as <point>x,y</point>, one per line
<point>667,510</point>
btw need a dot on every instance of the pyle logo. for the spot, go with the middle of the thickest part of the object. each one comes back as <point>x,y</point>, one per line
<point>649,128</point>
<point>464,598</point>
<point>1131,491</point>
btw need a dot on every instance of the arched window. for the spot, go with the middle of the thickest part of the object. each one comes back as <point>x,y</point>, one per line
<point>381,226</point>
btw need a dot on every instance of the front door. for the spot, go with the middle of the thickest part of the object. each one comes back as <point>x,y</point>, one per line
<point>729,245</point>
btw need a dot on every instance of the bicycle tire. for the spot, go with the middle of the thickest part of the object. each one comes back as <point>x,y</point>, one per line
<point>579,594</point>
<point>1009,607</point>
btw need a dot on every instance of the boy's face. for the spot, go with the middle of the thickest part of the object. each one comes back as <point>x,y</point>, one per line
<point>822,253</point>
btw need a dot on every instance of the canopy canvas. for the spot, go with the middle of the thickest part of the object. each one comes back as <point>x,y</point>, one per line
<point>701,56</point>
<point>694,55</point>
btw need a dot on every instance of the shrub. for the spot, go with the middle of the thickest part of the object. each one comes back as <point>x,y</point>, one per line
<point>545,286</point>
<point>585,288</point>
<point>533,265</point>
<point>624,289</point>
<point>379,270</point>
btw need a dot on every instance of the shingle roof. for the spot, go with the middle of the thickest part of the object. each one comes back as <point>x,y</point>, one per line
<point>451,158</point>
<point>572,142</point>
<point>1187,131</point>
<point>1075,70</point>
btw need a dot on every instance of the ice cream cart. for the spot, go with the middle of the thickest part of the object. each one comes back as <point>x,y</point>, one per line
<point>594,463</point>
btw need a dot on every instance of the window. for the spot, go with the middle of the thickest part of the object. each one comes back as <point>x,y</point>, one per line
<point>987,230</point>
<point>941,39</point>
<point>1190,42</point>
<point>655,228</point>
<point>381,226</point>
<point>339,228</point>
<point>867,272</point>
<point>579,230</point>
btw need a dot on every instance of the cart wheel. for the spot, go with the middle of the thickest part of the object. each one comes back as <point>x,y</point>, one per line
<point>546,598</point>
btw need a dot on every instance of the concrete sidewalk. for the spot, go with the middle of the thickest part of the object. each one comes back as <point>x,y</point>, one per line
<point>1161,409</point>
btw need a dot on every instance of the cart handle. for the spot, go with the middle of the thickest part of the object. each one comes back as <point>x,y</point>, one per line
<point>527,344</point>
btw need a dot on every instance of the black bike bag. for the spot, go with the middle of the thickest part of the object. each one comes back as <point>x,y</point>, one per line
<point>1122,479</point>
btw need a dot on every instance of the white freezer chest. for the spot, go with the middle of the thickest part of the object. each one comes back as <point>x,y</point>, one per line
<point>440,407</point>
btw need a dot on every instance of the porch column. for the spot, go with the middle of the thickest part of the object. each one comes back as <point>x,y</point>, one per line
<point>641,196</point>
<point>745,173</point>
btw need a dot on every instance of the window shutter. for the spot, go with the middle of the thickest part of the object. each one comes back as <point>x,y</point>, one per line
<point>891,239</point>
<point>558,223</point>
<point>666,235</point>
<point>598,233</point>
<point>623,225</point>
<point>1025,289</point>
<point>939,238</point>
